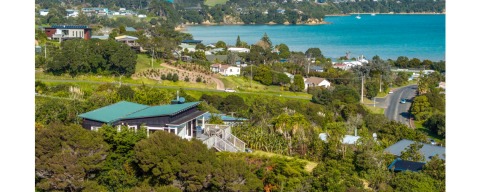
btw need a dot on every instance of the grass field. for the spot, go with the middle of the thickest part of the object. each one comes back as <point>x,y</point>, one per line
<point>212,3</point>
<point>308,167</point>
<point>145,62</point>
<point>375,110</point>
<point>242,84</point>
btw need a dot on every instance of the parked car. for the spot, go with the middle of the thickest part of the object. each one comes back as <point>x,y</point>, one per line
<point>230,90</point>
<point>390,92</point>
<point>403,101</point>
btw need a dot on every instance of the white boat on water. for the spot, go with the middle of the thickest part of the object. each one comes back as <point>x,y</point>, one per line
<point>358,17</point>
<point>373,14</point>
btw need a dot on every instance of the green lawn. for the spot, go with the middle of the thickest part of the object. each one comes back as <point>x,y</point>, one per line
<point>212,3</point>
<point>419,126</point>
<point>375,110</point>
<point>144,62</point>
<point>242,84</point>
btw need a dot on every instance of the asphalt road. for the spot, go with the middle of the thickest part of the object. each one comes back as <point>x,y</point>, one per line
<point>396,110</point>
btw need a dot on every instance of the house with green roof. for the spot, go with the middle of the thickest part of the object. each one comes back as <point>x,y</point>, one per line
<point>183,119</point>
<point>180,119</point>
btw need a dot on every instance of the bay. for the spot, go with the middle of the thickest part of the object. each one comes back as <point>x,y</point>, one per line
<point>419,36</point>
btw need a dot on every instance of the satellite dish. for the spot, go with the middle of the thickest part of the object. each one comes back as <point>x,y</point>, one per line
<point>181,100</point>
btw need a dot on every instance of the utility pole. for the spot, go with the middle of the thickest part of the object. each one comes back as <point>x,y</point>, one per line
<point>380,83</point>
<point>361,96</point>
<point>251,74</point>
<point>153,53</point>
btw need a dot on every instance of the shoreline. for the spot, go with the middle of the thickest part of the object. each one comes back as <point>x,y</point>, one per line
<point>391,13</point>
<point>183,27</point>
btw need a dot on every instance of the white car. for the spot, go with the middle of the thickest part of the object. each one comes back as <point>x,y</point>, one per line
<point>230,90</point>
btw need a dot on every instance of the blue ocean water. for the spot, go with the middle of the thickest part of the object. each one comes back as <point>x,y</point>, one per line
<point>385,35</point>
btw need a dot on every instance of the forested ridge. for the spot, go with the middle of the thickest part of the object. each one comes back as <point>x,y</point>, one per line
<point>240,11</point>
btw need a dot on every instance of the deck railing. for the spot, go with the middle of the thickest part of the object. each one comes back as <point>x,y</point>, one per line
<point>239,144</point>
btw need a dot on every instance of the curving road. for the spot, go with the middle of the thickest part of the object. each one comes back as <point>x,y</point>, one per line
<point>396,110</point>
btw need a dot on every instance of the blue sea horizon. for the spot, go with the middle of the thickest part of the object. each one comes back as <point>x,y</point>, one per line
<point>388,36</point>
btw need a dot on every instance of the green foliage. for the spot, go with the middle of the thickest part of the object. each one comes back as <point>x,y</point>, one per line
<point>420,107</point>
<point>220,44</point>
<point>67,158</point>
<point>150,96</point>
<point>232,103</point>
<point>234,174</point>
<point>125,92</point>
<point>238,42</point>
<point>321,96</point>
<point>401,79</point>
<point>372,89</point>
<point>435,168</point>
<point>345,94</point>
<point>314,52</point>
<point>266,40</point>
<point>165,158</point>
<point>298,84</point>
<point>412,153</point>
<point>284,51</point>
<point>412,181</point>
<point>93,56</point>
<point>436,124</point>
<point>215,119</point>
<point>175,77</point>
<point>119,170</point>
<point>263,75</point>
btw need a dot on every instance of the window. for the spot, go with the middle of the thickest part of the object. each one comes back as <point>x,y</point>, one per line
<point>94,128</point>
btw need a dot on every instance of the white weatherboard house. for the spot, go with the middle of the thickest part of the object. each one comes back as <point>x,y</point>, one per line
<point>316,82</point>
<point>239,50</point>
<point>225,70</point>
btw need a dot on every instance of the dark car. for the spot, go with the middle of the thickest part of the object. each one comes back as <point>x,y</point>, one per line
<point>403,101</point>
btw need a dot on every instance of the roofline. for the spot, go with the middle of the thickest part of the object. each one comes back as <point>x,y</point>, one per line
<point>187,120</point>
<point>159,115</point>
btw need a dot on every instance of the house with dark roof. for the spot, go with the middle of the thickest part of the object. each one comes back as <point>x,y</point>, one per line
<point>64,32</point>
<point>316,68</point>
<point>191,41</point>
<point>428,150</point>
<point>179,118</point>
<point>403,165</point>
